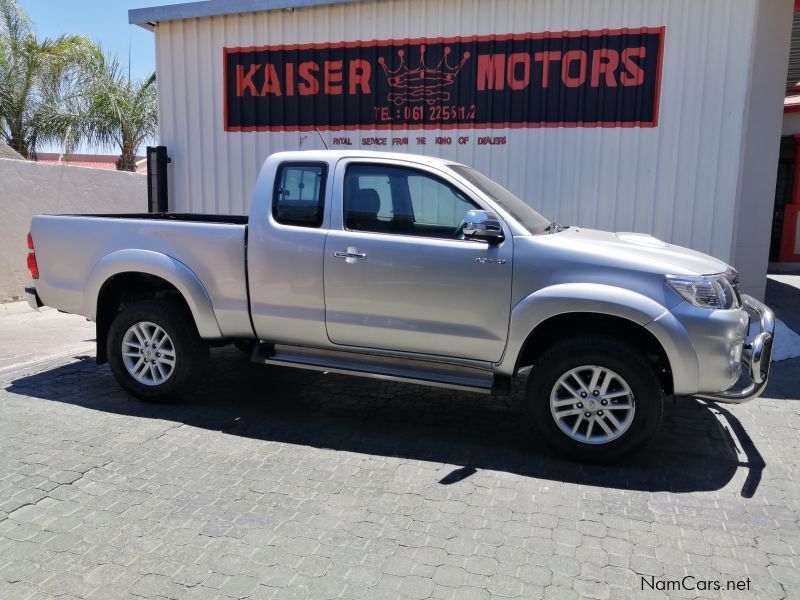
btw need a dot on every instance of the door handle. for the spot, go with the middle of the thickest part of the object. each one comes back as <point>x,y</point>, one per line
<point>351,254</point>
<point>492,261</point>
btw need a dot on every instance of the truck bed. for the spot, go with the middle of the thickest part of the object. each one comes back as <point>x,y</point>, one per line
<point>70,249</point>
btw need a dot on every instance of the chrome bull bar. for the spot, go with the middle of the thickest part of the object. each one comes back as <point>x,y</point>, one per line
<point>757,356</point>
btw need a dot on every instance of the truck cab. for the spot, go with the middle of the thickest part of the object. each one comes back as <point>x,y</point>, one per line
<point>375,251</point>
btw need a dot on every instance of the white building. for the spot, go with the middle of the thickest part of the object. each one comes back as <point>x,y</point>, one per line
<point>659,116</point>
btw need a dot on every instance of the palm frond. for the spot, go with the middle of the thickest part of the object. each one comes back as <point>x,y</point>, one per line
<point>14,23</point>
<point>66,90</point>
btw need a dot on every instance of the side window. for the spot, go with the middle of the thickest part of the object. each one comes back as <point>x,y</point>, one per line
<point>436,203</point>
<point>386,199</point>
<point>379,183</point>
<point>299,194</point>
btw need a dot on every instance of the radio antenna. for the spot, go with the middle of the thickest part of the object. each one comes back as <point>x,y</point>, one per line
<point>320,137</point>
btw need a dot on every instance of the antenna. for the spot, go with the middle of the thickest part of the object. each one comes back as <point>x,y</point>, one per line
<point>320,137</point>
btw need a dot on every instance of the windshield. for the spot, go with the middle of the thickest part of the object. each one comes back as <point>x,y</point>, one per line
<point>522,213</point>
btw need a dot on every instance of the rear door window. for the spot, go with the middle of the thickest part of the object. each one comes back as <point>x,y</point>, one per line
<point>299,194</point>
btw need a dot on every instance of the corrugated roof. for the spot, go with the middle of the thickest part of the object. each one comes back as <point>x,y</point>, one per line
<point>7,151</point>
<point>148,17</point>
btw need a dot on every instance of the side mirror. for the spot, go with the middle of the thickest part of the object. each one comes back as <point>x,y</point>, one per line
<point>483,225</point>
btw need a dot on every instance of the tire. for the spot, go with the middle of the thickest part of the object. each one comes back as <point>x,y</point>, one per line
<point>161,381</point>
<point>632,381</point>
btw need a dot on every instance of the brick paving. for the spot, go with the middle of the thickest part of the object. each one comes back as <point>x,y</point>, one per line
<point>276,483</point>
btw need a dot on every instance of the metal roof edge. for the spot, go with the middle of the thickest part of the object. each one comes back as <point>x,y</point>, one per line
<point>150,16</point>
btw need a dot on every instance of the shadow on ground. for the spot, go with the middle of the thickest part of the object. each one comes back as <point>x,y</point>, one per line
<point>692,452</point>
<point>784,299</point>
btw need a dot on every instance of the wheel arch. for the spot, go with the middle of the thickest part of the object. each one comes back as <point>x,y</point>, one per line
<point>131,275</point>
<point>568,309</point>
<point>566,325</point>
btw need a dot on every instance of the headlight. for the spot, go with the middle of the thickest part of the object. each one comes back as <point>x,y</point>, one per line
<point>706,291</point>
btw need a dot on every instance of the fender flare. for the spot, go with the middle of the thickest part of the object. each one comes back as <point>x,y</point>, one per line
<point>535,309</point>
<point>159,265</point>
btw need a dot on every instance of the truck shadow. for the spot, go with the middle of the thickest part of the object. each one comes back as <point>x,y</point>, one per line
<point>694,451</point>
<point>784,300</point>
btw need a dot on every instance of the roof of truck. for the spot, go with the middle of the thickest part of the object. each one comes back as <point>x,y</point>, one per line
<point>331,156</point>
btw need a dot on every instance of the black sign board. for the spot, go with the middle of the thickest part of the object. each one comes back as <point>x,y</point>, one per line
<point>566,79</point>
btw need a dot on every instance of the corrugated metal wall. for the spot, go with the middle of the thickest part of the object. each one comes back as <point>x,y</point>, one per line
<point>677,180</point>
<point>793,72</point>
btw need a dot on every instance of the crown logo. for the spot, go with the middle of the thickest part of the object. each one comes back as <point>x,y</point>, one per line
<point>423,84</point>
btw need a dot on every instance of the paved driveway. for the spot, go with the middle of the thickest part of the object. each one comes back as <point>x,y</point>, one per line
<point>275,483</point>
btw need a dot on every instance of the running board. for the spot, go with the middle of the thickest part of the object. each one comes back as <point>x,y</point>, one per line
<point>392,368</point>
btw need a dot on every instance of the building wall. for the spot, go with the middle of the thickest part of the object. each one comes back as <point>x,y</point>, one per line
<point>760,145</point>
<point>679,181</point>
<point>29,188</point>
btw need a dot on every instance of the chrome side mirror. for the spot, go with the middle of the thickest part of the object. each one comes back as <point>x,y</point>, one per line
<point>483,225</point>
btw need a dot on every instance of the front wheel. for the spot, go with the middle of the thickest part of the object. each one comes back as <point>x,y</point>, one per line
<point>155,351</point>
<point>595,399</point>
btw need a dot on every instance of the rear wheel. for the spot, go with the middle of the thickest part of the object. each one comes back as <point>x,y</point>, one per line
<point>155,351</point>
<point>595,399</point>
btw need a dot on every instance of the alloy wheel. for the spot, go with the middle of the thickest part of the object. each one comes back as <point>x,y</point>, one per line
<point>148,353</point>
<point>592,404</point>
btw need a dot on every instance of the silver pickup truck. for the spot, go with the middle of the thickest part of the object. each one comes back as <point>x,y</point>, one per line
<point>414,269</point>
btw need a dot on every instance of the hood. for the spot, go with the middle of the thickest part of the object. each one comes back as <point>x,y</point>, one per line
<point>642,247</point>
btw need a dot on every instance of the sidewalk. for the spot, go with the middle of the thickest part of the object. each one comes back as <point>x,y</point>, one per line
<point>29,337</point>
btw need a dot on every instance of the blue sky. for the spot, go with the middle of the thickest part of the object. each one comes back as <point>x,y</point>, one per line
<point>104,21</point>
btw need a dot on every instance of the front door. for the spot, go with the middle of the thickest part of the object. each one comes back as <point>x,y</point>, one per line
<point>398,274</point>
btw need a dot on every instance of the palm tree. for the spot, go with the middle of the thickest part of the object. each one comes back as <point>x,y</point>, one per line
<point>41,82</point>
<point>122,113</point>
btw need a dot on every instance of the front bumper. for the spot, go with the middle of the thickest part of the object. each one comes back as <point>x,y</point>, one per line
<point>33,298</point>
<point>757,356</point>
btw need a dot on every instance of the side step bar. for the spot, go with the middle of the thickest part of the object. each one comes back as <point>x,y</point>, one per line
<point>423,372</point>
